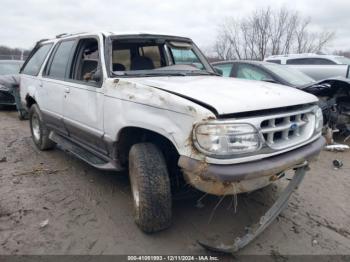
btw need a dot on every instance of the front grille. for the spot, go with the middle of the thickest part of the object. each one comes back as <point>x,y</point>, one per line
<point>288,129</point>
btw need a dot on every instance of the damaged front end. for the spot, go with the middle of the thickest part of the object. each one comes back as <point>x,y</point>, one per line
<point>233,176</point>
<point>245,177</point>
<point>9,93</point>
<point>334,100</point>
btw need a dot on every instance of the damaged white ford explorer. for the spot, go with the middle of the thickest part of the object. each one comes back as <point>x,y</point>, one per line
<point>153,104</point>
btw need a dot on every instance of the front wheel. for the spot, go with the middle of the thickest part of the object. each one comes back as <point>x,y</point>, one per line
<point>40,133</point>
<point>150,185</point>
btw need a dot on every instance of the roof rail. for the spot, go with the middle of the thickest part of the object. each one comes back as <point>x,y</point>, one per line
<point>42,40</point>
<point>61,35</point>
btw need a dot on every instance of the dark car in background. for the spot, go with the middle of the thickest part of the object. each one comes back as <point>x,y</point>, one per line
<point>8,68</point>
<point>9,85</point>
<point>333,93</point>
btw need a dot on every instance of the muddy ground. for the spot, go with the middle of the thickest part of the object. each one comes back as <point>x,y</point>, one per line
<point>53,203</point>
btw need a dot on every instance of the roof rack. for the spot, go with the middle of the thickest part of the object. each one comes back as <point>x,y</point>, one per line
<point>61,35</point>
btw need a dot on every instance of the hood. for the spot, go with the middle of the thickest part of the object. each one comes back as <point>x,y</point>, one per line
<point>229,95</point>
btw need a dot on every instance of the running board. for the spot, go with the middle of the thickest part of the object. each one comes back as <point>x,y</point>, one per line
<point>85,154</point>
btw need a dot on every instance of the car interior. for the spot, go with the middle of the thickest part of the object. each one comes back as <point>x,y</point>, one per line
<point>137,56</point>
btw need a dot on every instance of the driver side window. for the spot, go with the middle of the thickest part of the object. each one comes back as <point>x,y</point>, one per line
<point>86,65</point>
<point>250,72</point>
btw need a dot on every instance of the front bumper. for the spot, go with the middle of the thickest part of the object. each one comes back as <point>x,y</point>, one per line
<point>238,178</point>
<point>256,229</point>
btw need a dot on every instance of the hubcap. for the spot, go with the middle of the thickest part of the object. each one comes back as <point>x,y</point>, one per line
<point>36,127</point>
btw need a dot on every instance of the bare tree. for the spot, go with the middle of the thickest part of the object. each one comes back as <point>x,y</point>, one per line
<point>268,32</point>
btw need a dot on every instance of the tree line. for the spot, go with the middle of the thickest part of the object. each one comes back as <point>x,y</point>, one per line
<point>12,53</point>
<point>267,32</point>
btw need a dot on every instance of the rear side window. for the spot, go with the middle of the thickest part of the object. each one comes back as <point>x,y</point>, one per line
<point>226,69</point>
<point>60,60</point>
<point>310,61</point>
<point>35,61</point>
<point>252,73</point>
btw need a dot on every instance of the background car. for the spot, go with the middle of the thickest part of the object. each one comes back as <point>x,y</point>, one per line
<point>334,93</point>
<point>315,65</point>
<point>9,85</point>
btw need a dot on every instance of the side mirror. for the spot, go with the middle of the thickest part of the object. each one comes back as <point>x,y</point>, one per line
<point>218,70</point>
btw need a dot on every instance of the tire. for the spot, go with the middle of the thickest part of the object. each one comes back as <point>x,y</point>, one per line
<point>150,185</point>
<point>40,133</point>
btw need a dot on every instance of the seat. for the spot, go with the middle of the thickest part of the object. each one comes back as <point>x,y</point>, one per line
<point>118,67</point>
<point>141,63</point>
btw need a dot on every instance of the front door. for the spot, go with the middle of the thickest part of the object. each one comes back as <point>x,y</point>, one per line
<point>83,102</point>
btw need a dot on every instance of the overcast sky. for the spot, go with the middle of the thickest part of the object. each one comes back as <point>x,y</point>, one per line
<point>24,22</point>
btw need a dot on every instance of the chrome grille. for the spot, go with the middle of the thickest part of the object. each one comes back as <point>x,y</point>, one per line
<point>284,130</point>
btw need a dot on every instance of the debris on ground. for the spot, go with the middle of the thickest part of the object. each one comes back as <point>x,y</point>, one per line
<point>337,163</point>
<point>4,159</point>
<point>44,223</point>
<point>337,147</point>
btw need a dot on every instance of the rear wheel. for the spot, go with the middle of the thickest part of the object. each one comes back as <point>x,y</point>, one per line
<point>40,133</point>
<point>150,187</point>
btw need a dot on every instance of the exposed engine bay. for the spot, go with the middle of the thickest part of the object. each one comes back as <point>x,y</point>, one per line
<point>334,95</point>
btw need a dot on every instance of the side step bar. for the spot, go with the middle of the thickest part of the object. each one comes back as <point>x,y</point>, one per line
<point>84,154</point>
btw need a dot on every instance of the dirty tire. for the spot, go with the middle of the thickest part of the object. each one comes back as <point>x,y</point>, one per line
<point>40,133</point>
<point>150,186</point>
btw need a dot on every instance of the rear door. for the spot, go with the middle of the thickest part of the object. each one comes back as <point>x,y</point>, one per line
<point>55,86</point>
<point>83,103</point>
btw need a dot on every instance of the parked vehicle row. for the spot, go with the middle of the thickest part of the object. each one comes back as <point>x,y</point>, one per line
<point>154,105</point>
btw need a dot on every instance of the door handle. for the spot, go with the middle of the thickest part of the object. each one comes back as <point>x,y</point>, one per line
<point>67,90</point>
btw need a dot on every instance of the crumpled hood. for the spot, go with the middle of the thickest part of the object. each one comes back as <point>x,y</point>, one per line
<point>229,95</point>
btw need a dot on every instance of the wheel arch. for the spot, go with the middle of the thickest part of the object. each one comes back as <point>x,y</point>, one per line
<point>130,135</point>
<point>30,100</point>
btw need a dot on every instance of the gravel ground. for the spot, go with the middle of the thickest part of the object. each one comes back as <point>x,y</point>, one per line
<point>53,203</point>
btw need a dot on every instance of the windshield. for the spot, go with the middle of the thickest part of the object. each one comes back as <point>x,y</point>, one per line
<point>290,75</point>
<point>9,68</point>
<point>342,60</point>
<point>157,56</point>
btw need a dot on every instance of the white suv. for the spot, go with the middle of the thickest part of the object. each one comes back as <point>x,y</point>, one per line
<point>308,59</point>
<point>152,104</point>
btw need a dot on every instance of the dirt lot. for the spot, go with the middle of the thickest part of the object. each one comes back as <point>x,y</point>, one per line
<point>53,203</point>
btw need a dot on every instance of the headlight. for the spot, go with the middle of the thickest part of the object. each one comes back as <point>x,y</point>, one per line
<point>318,120</point>
<point>225,139</point>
